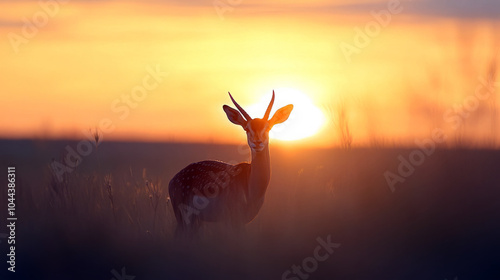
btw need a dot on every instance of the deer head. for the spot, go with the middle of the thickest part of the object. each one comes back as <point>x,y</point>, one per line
<point>257,129</point>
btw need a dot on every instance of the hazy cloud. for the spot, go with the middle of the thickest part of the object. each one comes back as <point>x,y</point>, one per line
<point>489,9</point>
<point>10,23</point>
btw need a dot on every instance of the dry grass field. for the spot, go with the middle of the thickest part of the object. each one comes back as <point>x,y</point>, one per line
<point>110,217</point>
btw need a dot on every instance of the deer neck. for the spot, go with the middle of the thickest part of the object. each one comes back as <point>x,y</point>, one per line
<point>260,174</point>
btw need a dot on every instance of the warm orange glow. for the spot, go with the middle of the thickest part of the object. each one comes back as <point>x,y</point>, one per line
<point>306,119</point>
<point>90,55</point>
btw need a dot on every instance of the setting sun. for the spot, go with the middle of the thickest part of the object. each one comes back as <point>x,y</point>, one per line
<point>305,120</point>
<point>149,124</point>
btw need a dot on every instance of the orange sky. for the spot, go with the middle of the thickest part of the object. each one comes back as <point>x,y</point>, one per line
<point>73,72</point>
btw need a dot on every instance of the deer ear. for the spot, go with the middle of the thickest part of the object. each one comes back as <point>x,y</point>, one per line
<point>281,115</point>
<point>234,116</point>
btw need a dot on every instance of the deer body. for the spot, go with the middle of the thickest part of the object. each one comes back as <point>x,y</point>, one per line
<point>214,191</point>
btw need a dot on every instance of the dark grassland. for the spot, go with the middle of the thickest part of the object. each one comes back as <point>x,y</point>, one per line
<point>113,211</point>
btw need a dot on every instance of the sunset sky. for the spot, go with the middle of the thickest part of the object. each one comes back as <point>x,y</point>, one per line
<point>66,67</point>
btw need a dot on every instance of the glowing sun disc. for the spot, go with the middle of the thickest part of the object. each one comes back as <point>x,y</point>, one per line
<point>305,120</point>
